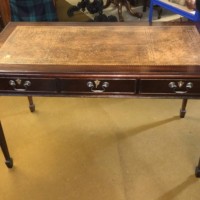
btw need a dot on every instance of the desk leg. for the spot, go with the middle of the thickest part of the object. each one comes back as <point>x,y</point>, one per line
<point>31,104</point>
<point>183,108</point>
<point>197,172</point>
<point>4,147</point>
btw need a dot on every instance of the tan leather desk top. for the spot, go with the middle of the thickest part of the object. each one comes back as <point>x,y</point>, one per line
<point>102,45</point>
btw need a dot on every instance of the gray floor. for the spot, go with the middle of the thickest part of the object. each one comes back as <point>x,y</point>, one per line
<point>100,149</point>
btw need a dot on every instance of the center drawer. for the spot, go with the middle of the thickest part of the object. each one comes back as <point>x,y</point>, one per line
<point>98,86</point>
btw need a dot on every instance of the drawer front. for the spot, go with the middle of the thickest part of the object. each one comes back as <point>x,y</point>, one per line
<point>98,86</point>
<point>23,85</point>
<point>169,86</point>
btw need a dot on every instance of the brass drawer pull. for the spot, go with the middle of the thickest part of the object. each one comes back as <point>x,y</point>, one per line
<point>18,82</point>
<point>90,84</point>
<point>179,85</point>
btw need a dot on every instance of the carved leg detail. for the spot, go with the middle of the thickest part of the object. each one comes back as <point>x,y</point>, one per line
<point>183,108</point>
<point>197,172</point>
<point>135,14</point>
<point>31,104</point>
<point>107,4</point>
<point>4,147</point>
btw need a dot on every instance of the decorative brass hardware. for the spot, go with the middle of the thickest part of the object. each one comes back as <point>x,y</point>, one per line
<point>16,82</point>
<point>90,84</point>
<point>189,85</point>
<point>97,82</point>
<point>172,85</point>
<point>179,85</point>
<point>27,84</point>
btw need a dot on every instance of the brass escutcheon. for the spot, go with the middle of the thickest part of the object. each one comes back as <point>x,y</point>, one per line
<point>180,84</point>
<point>97,82</point>
<point>18,81</point>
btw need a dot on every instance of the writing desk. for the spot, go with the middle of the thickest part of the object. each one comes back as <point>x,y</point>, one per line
<point>100,60</point>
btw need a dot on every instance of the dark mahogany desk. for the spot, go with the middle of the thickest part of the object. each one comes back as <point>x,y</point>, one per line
<point>99,60</point>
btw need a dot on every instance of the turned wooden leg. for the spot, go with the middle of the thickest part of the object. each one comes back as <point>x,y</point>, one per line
<point>197,172</point>
<point>4,147</point>
<point>145,4</point>
<point>183,108</point>
<point>159,10</point>
<point>121,19</point>
<point>31,104</point>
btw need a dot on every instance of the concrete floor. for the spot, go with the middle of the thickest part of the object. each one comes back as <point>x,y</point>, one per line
<point>100,149</point>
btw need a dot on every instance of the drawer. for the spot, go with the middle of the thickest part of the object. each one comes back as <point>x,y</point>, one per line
<point>21,85</point>
<point>169,86</point>
<point>98,86</point>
